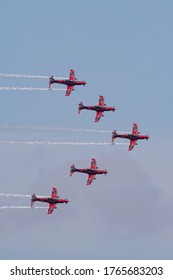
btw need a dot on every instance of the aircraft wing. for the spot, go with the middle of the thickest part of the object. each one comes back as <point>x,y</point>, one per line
<point>72,75</point>
<point>132,144</point>
<point>93,164</point>
<point>98,116</point>
<point>51,208</point>
<point>69,90</point>
<point>54,193</point>
<point>101,101</point>
<point>90,179</point>
<point>135,129</point>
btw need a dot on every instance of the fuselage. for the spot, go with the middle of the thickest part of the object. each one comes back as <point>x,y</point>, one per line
<point>68,82</point>
<point>51,200</point>
<point>89,171</point>
<point>98,108</point>
<point>131,136</point>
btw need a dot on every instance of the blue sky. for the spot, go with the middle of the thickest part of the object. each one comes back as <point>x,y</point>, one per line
<point>124,52</point>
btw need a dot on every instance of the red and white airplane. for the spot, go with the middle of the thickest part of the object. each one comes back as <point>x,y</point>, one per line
<point>133,137</point>
<point>92,171</point>
<point>70,83</point>
<point>53,200</point>
<point>99,109</point>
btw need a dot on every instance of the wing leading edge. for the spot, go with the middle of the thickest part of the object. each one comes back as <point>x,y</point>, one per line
<point>98,116</point>
<point>90,179</point>
<point>71,78</point>
<point>132,144</point>
<point>93,164</point>
<point>134,132</point>
<point>69,90</point>
<point>135,129</point>
<point>100,104</point>
<point>51,208</point>
<point>52,205</point>
<point>54,193</point>
<point>101,101</point>
<point>72,75</point>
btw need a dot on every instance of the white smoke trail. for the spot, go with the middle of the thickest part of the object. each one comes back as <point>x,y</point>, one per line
<point>53,128</point>
<point>58,143</point>
<point>14,195</point>
<point>22,76</point>
<point>26,76</point>
<point>22,207</point>
<point>50,128</point>
<point>29,89</point>
<point>18,195</point>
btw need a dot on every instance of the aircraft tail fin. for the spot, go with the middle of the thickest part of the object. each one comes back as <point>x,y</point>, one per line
<point>81,106</point>
<point>72,169</point>
<point>67,201</point>
<point>33,199</point>
<point>114,135</point>
<point>51,81</point>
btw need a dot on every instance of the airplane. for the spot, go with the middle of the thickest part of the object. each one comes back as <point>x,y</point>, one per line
<point>70,83</point>
<point>133,137</point>
<point>53,200</point>
<point>99,109</point>
<point>92,171</point>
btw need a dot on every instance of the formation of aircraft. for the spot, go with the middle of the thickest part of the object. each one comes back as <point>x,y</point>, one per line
<point>92,171</point>
<point>100,108</point>
<point>53,200</point>
<point>70,83</point>
<point>133,137</point>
